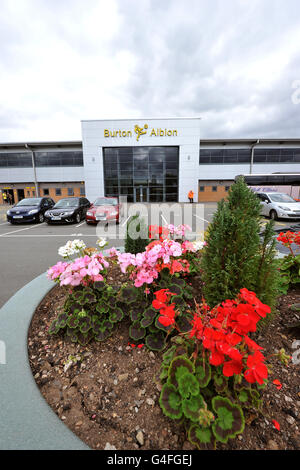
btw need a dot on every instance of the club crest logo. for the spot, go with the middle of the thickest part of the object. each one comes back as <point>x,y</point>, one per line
<point>140,130</point>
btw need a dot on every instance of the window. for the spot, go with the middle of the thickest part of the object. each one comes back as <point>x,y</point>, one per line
<point>70,192</point>
<point>82,191</point>
<point>58,158</point>
<point>214,189</point>
<point>277,155</point>
<point>127,168</point>
<point>28,193</point>
<point>15,160</point>
<point>224,156</point>
<point>227,188</point>
<point>46,192</point>
<point>42,159</point>
<point>57,192</point>
<point>201,189</point>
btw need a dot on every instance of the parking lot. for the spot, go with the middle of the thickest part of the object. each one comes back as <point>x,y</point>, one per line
<point>28,250</point>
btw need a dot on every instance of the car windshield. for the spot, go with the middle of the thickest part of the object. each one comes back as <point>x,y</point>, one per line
<point>66,203</point>
<point>103,201</point>
<point>33,201</point>
<point>281,198</point>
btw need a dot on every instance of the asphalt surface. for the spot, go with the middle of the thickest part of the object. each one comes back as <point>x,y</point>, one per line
<point>28,250</point>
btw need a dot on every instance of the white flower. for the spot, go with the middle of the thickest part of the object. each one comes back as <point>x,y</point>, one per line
<point>70,248</point>
<point>101,242</point>
<point>78,245</point>
<point>199,245</point>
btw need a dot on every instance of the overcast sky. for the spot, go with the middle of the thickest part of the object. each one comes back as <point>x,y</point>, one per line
<point>233,63</point>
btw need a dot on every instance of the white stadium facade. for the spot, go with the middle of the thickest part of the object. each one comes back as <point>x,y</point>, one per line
<point>147,160</point>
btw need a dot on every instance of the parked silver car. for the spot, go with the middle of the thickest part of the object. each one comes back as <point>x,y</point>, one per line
<point>279,205</point>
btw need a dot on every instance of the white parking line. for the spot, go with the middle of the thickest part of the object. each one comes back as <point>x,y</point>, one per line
<point>79,225</point>
<point>125,221</point>
<point>164,219</point>
<point>201,218</point>
<point>22,229</point>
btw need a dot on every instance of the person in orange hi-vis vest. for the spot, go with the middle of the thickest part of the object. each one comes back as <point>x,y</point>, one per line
<point>191,196</point>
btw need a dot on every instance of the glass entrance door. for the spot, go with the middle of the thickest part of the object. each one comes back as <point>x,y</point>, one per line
<point>141,194</point>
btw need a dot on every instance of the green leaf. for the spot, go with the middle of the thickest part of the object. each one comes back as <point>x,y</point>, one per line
<point>170,401</point>
<point>102,334</point>
<point>102,307</point>
<point>136,331</point>
<point>175,289</point>
<point>116,315</point>
<point>73,336</point>
<point>135,315</point>
<point>178,367</point>
<point>54,328</point>
<point>88,298</point>
<point>84,338</point>
<point>191,407</point>
<point>73,321</point>
<point>111,302</point>
<point>155,341</point>
<point>169,354</point>
<point>77,295</point>
<point>129,295</point>
<point>148,317</point>
<point>184,323</point>
<point>179,302</point>
<point>164,372</point>
<point>202,438</point>
<point>99,285</point>
<point>75,307</point>
<point>203,372</point>
<point>187,385</point>
<point>230,419</point>
<point>220,382</point>
<point>85,324</point>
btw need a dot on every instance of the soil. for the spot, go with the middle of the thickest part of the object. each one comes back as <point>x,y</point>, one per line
<point>109,397</point>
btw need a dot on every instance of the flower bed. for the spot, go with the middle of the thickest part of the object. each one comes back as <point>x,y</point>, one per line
<point>101,404</point>
<point>207,376</point>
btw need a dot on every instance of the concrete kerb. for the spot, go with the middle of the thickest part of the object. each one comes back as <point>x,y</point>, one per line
<point>26,420</point>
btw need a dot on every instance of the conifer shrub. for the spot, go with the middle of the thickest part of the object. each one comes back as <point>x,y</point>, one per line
<point>136,235</point>
<point>234,257</point>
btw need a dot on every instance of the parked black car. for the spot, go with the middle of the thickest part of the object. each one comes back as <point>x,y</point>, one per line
<point>68,209</point>
<point>29,210</point>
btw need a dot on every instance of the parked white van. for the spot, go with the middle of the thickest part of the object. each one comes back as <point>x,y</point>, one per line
<point>278,205</point>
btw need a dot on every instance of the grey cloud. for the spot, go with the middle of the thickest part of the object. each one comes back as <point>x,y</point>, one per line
<point>192,58</point>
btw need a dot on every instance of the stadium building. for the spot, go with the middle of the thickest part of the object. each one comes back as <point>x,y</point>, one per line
<point>147,160</point>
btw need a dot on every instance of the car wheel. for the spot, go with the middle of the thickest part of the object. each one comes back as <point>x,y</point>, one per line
<point>40,218</point>
<point>273,215</point>
<point>77,218</point>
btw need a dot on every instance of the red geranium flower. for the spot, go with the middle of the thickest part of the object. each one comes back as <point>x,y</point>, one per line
<point>278,384</point>
<point>232,367</point>
<point>257,371</point>
<point>252,344</point>
<point>276,424</point>
<point>167,315</point>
